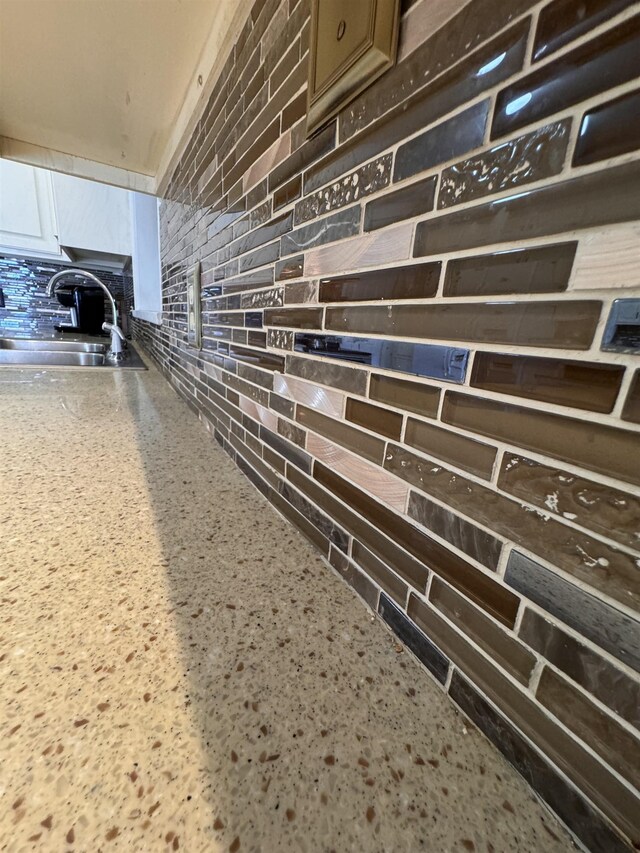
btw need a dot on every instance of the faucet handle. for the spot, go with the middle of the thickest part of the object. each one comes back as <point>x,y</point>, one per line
<point>114,330</point>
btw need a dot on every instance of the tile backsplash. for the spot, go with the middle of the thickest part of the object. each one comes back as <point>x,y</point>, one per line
<point>402,329</point>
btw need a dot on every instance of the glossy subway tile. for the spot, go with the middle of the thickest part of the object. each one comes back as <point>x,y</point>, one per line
<point>449,446</point>
<point>289,268</point>
<point>353,439</point>
<point>412,396</point>
<point>404,203</point>
<point>296,318</point>
<point>374,418</point>
<point>609,130</point>
<point>418,281</point>
<point>563,21</point>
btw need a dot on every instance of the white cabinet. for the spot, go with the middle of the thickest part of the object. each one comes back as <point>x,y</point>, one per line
<point>27,212</point>
<point>92,216</point>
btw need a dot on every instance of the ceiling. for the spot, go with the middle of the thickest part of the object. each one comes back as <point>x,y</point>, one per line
<point>108,81</point>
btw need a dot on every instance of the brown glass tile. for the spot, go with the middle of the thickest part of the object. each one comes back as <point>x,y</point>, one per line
<point>334,375</point>
<point>631,411</point>
<point>290,268</point>
<point>568,325</point>
<point>347,436</point>
<point>294,111</point>
<point>295,318</point>
<point>475,584</point>
<point>576,552</point>
<point>451,447</point>
<point>402,204</point>
<point>545,269</point>
<point>601,785</point>
<point>602,509</point>
<point>413,638</point>
<point>374,418</point>
<point>597,447</point>
<point>265,360</point>
<point>608,60</point>
<point>287,192</point>
<point>298,292</point>
<point>303,524</point>
<point>501,647</point>
<point>274,459</point>
<point>233,169</point>
<point>580,384</point>
<point>564,21</point>
<point>538,212</point>
<point>292,432</point>
<point>285,448</point>
<point>315,147</point>
<point>609,130</point>
<point>353,576</point>
<point>381,574</point>
<point>583,665</point>
<point>337,226</point>
<point>418,281</point>
<point>281,405</point>
<point>604,735</point>
<point>412,396</point>
<point>520,161</point>
<point>327,527</point>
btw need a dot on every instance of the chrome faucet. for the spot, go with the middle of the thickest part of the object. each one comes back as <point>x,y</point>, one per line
<point>116,352</point>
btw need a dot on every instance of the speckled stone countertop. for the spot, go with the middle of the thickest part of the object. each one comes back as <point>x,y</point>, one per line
<point>180,671</point>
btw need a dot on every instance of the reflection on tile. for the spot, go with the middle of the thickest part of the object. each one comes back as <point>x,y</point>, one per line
<point>290,268</point>
<point>367,250</point>
<point>453,138</point>
<point>264,255</point>
<point>297,292</point>
<point>337,226</point>
<point>290,452</point>
<point>353,439</point>
<point>280,339</point>
<point>390,583</point>
<point>262,298</point>
<point>528,158</point>
<point>631,411</point>
<point>418,281</point>
<point>609,130</point>
<point>608,60</point>
<point>545,269</point>
<point>591,617</point>
<point>382,421</point>
<point>362,182</point>
<point>324,399</point>
<point>568,325</point>
<point>420,645</point>
<point>287,193</point>
<point>333,375</point>
<point>565,20</point>
<point>412,396</point>
<point>296,318</point>
<point>597,447</point>
<point>401,204</point>
<point>451,447</point>
<point>438,362</point>
<point>586,667</point>
<point>580,384</point>
<point>538,212</point>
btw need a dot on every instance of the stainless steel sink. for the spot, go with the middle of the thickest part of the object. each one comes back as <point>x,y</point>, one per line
<point>50,345</point>
<point>49,358</point>
<point>22,352</point>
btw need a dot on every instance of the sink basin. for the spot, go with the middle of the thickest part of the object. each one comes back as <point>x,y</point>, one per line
<point>50,346</point>
<point>22,352</point>
<point>48,358</point>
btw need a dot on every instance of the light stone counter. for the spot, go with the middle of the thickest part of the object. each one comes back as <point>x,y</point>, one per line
<point>180,671</point>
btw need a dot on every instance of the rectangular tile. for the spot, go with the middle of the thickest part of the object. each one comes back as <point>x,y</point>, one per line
<point>587,822</point>
<point>418,281</point>
<point>368,250</point>
<point>414,639</point>
<point>567,325</point>
<point>601,785</point>
<point>586,667</point>
<point>452,138</point>
<point>608,60</point>
<point>265,255</point>
<point>597,447</point>
<point>264,234</point>
<point>362,182</point>
<point>319,520</point>
<point>451,447</point>
<point>374,418</point>
<point>609,130</point>
<point>520,161</point>
<point>354,577</point>
<point>294,318</point>
<point>280,339</point>
<point>353,439</point>
<point>631,411</point>
<point>289,268</point>
<point>564,21</point>
<point>475,584</point>
<point>262,298</point>
<point>437,362</point>
<point>324,399</point>
<point>412,396</point>
<point>333,375</point>
<point>563,206</point>
<point>501,647</point>
<point>579,384</point>
<point>401,204</point>
<point>619,748</point>
<point>290,452</point>
<point>292,432</point>
<point>297,292</point>
<point>311,150</point>
<point>267,361</point>
<point>287,193</point>
<point>390,583</point>
<point>611,629</point>
<point>298,520</point>
<point>605,510</point>
<point>337,226</point>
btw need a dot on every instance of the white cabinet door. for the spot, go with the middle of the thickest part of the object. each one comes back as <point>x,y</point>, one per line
<point>27,213</point>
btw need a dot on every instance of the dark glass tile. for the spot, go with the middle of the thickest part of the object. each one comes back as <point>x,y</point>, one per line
<point>475,584</point>
<point>451,447</point>
<point>259,278</point>
<point>631,411</point>
<point>437,362</point>
<point>580,384</point>
<point>368,179</point>
<point>315,147</point>
<point>585,821</point>
<point>344,223</point>
<point>354,577</point>
<point>287,193</point>
<point>298,318</point>
<point>281,405</point>
<point>418,281</point>
<point>602,509</point>
<point>298,292</point>
<point>323,523</point>
<point>257,194</point>
<point>473,541</point>
<point>414,639</point>
<point>257,339</point>
<point>453,138</point>
<point>539,270</point>
<point>261,214</point>
<point>564,21</point>
<point>591,617</point>
<point>294,111</point>
<point>341,433</point>
<point>258,377</point>
<point>568,325</point>
<point>538,212</point>
<point>402,204</point>
<point>580,766</point>
<point>609,130</point>
<point>292,432</point>
<point>608,60</point>
<point>265,255</point>
<point>394,587</point>
<point>378,420</point>
<point>501,647</point>
<point>586,667</point>
<point>290,268</point>
<point>333,375</point>
<point>290,452</point>
<point>520,161</point>
<point>501,58</point>
<point>233,168</point>
<point>303,524</point>
<point>253,319</point>
<point>597,447</point>
<point>411,396</point>
<point>265,360</point>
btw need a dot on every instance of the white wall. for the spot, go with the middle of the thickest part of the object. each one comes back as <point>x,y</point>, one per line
<point>147,280</point>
